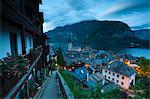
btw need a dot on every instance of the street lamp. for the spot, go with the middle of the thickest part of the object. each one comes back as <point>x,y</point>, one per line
<point>57,66</point>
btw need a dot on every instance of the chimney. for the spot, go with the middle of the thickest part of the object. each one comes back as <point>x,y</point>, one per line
<point>87,75</point>
<point>108,66</point>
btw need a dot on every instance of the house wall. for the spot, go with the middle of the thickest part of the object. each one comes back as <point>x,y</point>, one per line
<point>132,78</point>
<point>5,45</point>
<point>109,76</point>
<point>29,42</point>
<point>19,44</point>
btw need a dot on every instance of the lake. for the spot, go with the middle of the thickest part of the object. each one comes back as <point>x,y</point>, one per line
<point>137,52</point>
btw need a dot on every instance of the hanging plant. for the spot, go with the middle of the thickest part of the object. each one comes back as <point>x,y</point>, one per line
<point>13,66</point>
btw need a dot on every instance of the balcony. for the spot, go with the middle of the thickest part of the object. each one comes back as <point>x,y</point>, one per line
<point>46,50</point>
<point>22,72</point>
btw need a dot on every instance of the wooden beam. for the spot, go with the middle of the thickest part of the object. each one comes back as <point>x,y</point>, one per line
<point>23,40</point>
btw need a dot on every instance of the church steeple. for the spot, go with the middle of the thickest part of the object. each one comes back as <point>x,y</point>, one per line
<point>70,42</point>
<point>69,38</point>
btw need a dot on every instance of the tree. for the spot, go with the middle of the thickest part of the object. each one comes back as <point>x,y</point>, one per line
<point>144,64</point>
<point>60,58</point>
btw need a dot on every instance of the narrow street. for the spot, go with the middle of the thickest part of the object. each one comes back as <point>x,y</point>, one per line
<point>51,91</point>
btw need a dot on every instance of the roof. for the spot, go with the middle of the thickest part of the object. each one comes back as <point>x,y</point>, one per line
<point>90,83</point>
<point>80,73</point>
<point>120,68</point>
<point>109,87</point>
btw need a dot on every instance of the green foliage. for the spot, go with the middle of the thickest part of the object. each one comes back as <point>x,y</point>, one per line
<point>115,94</point>
<point>144,64</point>
<point>14,65</point>
<point>143,84</point>
<point>80,92</point>
<point>35,51</point>
<point>60,58</point>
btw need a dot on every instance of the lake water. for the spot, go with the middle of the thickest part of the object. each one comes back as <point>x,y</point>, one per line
<point>137,52</point>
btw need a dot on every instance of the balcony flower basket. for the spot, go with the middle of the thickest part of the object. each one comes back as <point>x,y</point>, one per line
<point>14,66</point>
<point>12,69</point>
<point>34,52</point>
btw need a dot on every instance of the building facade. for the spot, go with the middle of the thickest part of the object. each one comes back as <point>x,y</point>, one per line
<point>21,30</point>
<point>21,26</point>
<point>120,74</point>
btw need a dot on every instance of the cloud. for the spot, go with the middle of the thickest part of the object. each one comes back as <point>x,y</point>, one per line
<point>48,26</point>
<point>63,12</point>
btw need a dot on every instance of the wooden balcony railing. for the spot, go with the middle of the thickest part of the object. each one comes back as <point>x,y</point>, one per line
<point>46,50</point>
<point>64,89</point>
<point>23,81</point>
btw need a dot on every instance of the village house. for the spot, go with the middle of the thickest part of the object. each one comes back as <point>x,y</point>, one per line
<point>120,74</point>
<point>82,76</point>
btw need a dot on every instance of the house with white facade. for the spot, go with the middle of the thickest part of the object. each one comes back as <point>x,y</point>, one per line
<point>120,74</point>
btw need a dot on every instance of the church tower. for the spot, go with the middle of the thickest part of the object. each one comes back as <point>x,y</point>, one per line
<point>70,42</point>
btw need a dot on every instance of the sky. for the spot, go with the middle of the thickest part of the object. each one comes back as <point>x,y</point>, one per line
<point>135,13</point>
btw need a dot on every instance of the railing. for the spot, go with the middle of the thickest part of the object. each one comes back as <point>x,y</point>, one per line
<point>64,89</point>
<point>23,80</point>
<point>46,50</point>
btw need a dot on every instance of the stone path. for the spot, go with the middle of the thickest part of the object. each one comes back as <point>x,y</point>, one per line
<point>51,91</point>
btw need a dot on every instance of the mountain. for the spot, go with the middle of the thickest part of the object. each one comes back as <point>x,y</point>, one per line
<point>97,34</point>
<point>143,34</point>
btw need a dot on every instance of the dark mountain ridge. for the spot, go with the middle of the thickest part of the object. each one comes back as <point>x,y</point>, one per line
<point>143,34</point>
<point>97,34</point>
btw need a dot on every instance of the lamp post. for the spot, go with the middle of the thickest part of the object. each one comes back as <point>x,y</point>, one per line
<point>57,66</point>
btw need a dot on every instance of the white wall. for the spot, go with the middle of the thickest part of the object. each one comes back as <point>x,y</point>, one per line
<point>29,42</point>
<point>19,44</point>
<point>126,80</point>
<point>4,44</point>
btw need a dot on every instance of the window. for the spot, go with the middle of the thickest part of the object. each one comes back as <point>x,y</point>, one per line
<point>30,41</point>
<point>122,77</point>
<point>108,77</point>
<point>105,71</point>
<point>113,79</point>
<point>117,81</point>
<point>105,76</point>
<point>117,75</point>
<point>122,83</point>
<point>113,74</point>
<point>13,43</point>
<point>109,73</point>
